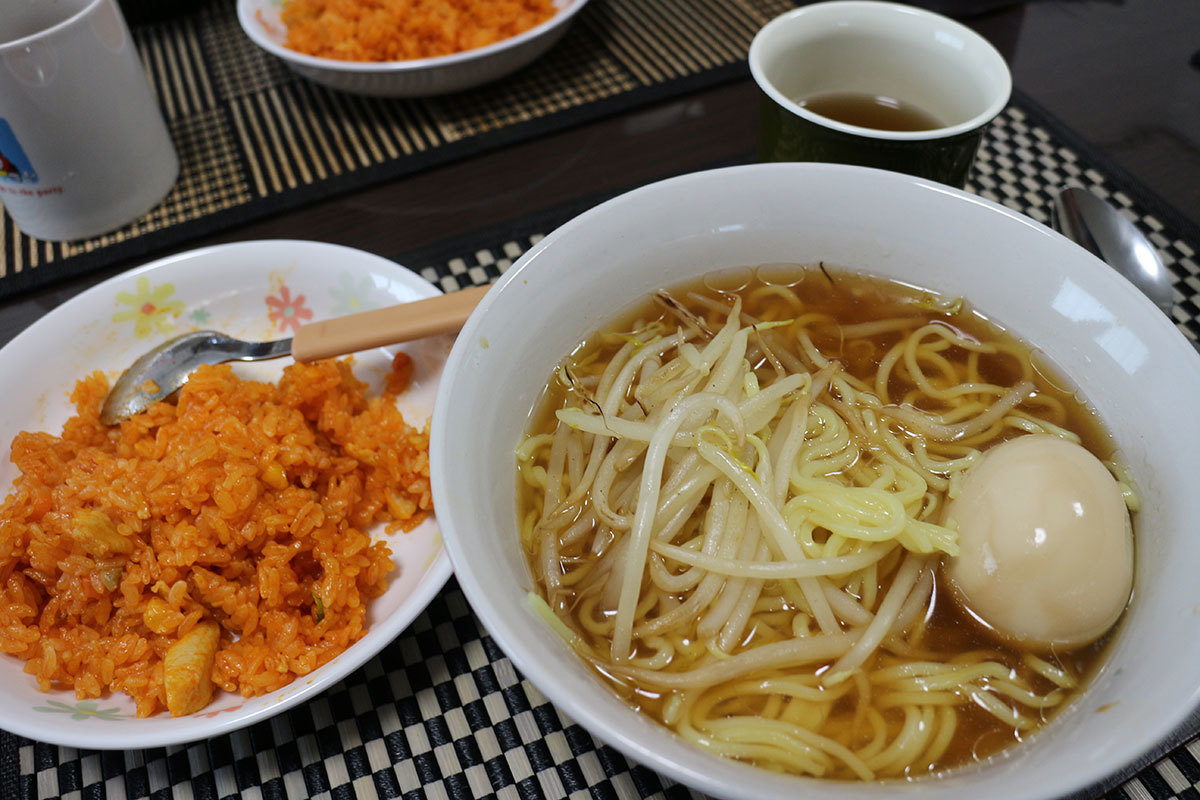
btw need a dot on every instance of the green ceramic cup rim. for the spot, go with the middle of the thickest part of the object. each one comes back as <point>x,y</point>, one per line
<point>817,14</point>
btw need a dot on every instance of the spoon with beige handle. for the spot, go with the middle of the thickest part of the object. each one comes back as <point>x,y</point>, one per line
<point>164,369</point>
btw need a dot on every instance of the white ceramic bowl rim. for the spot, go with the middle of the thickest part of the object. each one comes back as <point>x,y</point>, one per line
<point>834,7</point>
<point>475,549</point>
<point>254,30</point>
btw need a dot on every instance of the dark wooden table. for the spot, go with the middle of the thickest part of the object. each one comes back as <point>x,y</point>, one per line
<point>1117,72</point>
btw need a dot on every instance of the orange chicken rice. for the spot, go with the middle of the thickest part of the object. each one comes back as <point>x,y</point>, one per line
<point>221,541</point>
<point>401,30</point>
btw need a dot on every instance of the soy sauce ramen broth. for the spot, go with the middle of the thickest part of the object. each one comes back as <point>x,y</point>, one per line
<point>941,631</point>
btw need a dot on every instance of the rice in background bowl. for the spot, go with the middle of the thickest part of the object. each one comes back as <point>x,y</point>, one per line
<point>421,77</point>
<point>400,30</point>
<point>1110,340</point>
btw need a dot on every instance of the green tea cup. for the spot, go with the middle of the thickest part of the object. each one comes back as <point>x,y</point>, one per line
<point>840,81</point>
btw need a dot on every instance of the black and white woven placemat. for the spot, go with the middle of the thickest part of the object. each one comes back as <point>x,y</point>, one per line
<point>441,712</point>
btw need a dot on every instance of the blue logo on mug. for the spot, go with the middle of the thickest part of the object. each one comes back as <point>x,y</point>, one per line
<point>14,164</point>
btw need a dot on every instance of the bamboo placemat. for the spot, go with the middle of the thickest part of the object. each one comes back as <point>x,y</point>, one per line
<point>254,138</point>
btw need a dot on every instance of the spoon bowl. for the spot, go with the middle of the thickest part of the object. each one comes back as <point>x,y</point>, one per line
<point>162,371</point>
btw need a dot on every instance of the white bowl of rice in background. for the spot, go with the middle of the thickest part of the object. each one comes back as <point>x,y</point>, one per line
<point>419,77</point>
<point>1132,365</point>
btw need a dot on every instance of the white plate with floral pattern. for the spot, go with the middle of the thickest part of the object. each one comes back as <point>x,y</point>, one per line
<point>252,290</point>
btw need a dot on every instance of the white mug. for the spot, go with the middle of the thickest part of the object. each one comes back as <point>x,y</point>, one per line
<point>83,145</point>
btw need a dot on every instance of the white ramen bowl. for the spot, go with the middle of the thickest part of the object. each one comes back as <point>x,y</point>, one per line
<point>419,77</point>
<point>1135,368</point>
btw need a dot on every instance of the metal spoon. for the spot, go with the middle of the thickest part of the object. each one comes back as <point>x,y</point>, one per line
<point>1099,228</point>
<point>164,369</point>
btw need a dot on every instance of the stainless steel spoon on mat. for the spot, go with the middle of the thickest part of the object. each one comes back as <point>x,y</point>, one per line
<point>1104,231</point>
<point>164,369</point>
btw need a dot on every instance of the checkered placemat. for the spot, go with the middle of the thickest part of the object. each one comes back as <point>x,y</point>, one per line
<point>441,712</point>
<point>254,138</point>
